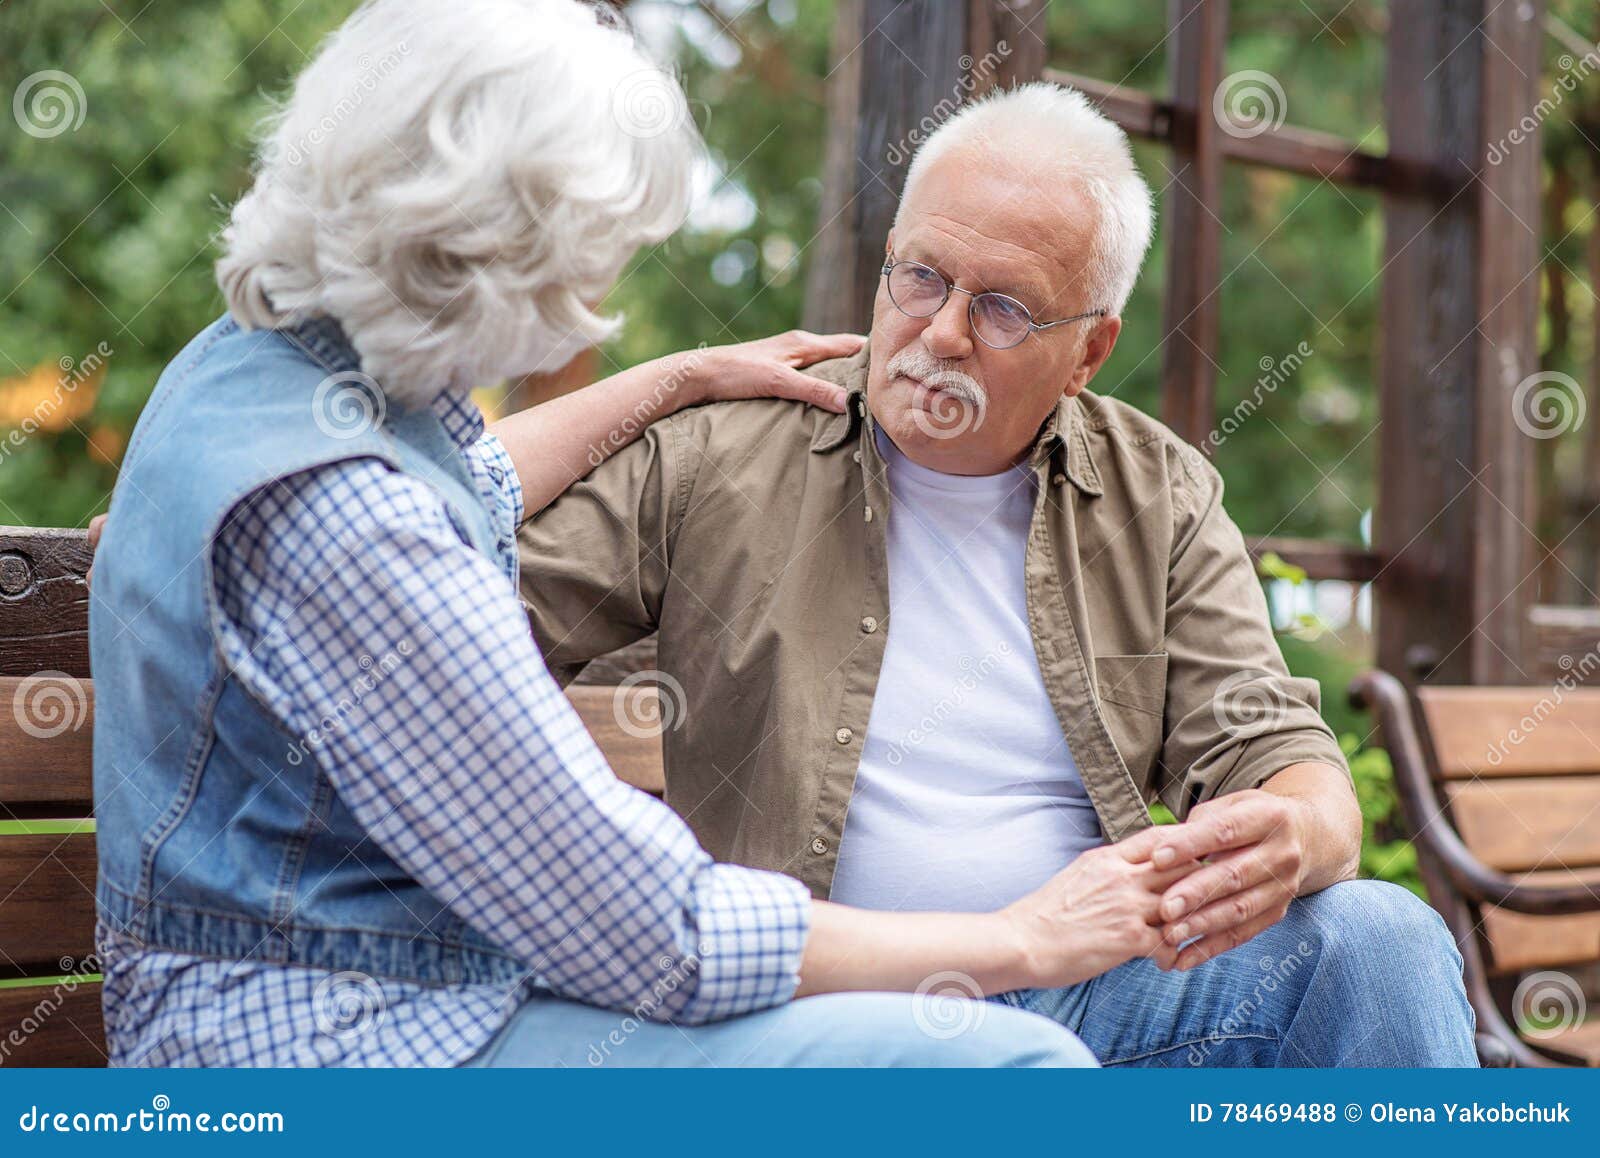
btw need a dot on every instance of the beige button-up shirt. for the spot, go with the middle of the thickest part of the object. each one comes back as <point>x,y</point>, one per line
<point>750,536</point>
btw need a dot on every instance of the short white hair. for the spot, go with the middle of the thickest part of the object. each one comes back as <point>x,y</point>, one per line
<point>1053,132</point>
<point>458,183</point>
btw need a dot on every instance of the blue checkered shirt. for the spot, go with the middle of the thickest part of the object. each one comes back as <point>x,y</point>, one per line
<point>599,888</point>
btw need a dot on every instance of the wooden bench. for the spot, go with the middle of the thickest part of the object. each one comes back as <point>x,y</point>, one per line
<point>49,984</point>
<point>1501,790</point>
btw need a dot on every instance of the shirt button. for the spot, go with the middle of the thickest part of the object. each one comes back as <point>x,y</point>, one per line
<point>1059,479</point>
<point>818,845</point>
<point>869,625</point>
<point>856,456</point>
<point>844,735</point>
<point>868,514</point>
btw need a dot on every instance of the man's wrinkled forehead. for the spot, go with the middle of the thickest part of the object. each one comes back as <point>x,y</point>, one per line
<point>1004,216</point>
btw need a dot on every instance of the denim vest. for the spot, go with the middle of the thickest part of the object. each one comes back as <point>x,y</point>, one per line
<point>219,833</point>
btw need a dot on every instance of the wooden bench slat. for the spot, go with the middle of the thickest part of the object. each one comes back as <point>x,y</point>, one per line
<point>1518,941</point>
<point>1534,823</point>
<point>1581,1041</point>
<point>53,775</point>
<point>46,903</point>
<point>57,1024</point>
<point>46,747</point>
<point>44,603</point>
<point>1500,732</point>
<point>636,759</point>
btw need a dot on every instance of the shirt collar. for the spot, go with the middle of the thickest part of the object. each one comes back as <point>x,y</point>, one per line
<point>1063,437</point>
<point>323,339</point>
<point>460,417</point>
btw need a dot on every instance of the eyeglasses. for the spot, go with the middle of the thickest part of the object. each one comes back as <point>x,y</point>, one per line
<point>999,321</point>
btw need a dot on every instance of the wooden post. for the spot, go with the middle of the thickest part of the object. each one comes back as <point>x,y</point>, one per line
<point>1192,226</point>
<point>900,68</point>
<point>1460,299</point>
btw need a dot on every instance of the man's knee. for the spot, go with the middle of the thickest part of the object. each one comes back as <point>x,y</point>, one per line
<point>1355,919</point>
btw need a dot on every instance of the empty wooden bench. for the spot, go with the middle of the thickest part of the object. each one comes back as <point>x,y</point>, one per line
<point>49,981</point>
<point>1501,790</point>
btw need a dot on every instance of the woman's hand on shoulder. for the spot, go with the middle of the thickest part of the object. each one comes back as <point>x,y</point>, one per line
<point>771,368</point>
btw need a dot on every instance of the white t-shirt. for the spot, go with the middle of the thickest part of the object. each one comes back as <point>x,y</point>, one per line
<point>967,796</point>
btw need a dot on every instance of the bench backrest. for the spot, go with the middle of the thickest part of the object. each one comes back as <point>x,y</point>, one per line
<point>49,991</point>
<point>49,984</point>
<point>1519,769</point>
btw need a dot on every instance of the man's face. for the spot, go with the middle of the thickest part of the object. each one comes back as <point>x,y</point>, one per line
<point>950,402</point>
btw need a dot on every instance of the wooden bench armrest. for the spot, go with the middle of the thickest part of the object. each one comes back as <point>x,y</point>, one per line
<point>1385,696</point>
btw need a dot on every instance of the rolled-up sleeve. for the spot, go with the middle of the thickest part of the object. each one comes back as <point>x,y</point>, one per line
<point>1235,716</point>
<point>595,561</point>
<point>470,769</point>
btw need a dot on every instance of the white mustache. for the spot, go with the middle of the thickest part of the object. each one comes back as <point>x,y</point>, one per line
<point>940,373</point>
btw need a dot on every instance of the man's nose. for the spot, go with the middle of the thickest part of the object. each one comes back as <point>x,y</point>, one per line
<point>949,332</point>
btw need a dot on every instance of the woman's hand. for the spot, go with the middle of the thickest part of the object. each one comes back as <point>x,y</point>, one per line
<point>770,368</point>
<point>1100,911</point>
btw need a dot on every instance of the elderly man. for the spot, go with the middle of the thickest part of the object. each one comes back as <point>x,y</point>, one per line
<point>927,652</point>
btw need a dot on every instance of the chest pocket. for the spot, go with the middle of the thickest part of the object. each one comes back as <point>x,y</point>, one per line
<point>1133,699</point>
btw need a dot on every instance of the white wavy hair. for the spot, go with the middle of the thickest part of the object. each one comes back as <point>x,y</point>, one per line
<point>458,182</point>
<point>1055,133</point>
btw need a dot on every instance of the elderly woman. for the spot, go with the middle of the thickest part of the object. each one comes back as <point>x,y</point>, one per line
<point>346,815</point>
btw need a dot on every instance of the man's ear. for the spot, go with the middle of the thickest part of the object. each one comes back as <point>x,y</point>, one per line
<point>1096,349</point>
<point>888,244</point>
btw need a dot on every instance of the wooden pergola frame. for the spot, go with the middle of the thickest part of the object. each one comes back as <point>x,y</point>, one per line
<point>1454,559</point>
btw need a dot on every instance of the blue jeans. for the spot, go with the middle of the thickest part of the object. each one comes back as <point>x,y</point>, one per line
<point>1359,974</point>
<point>839,1029</point>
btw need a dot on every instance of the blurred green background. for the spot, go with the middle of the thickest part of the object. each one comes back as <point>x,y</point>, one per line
<point>108,228</point>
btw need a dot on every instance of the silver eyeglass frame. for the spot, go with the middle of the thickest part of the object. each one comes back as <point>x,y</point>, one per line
<point>1033,327</point>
